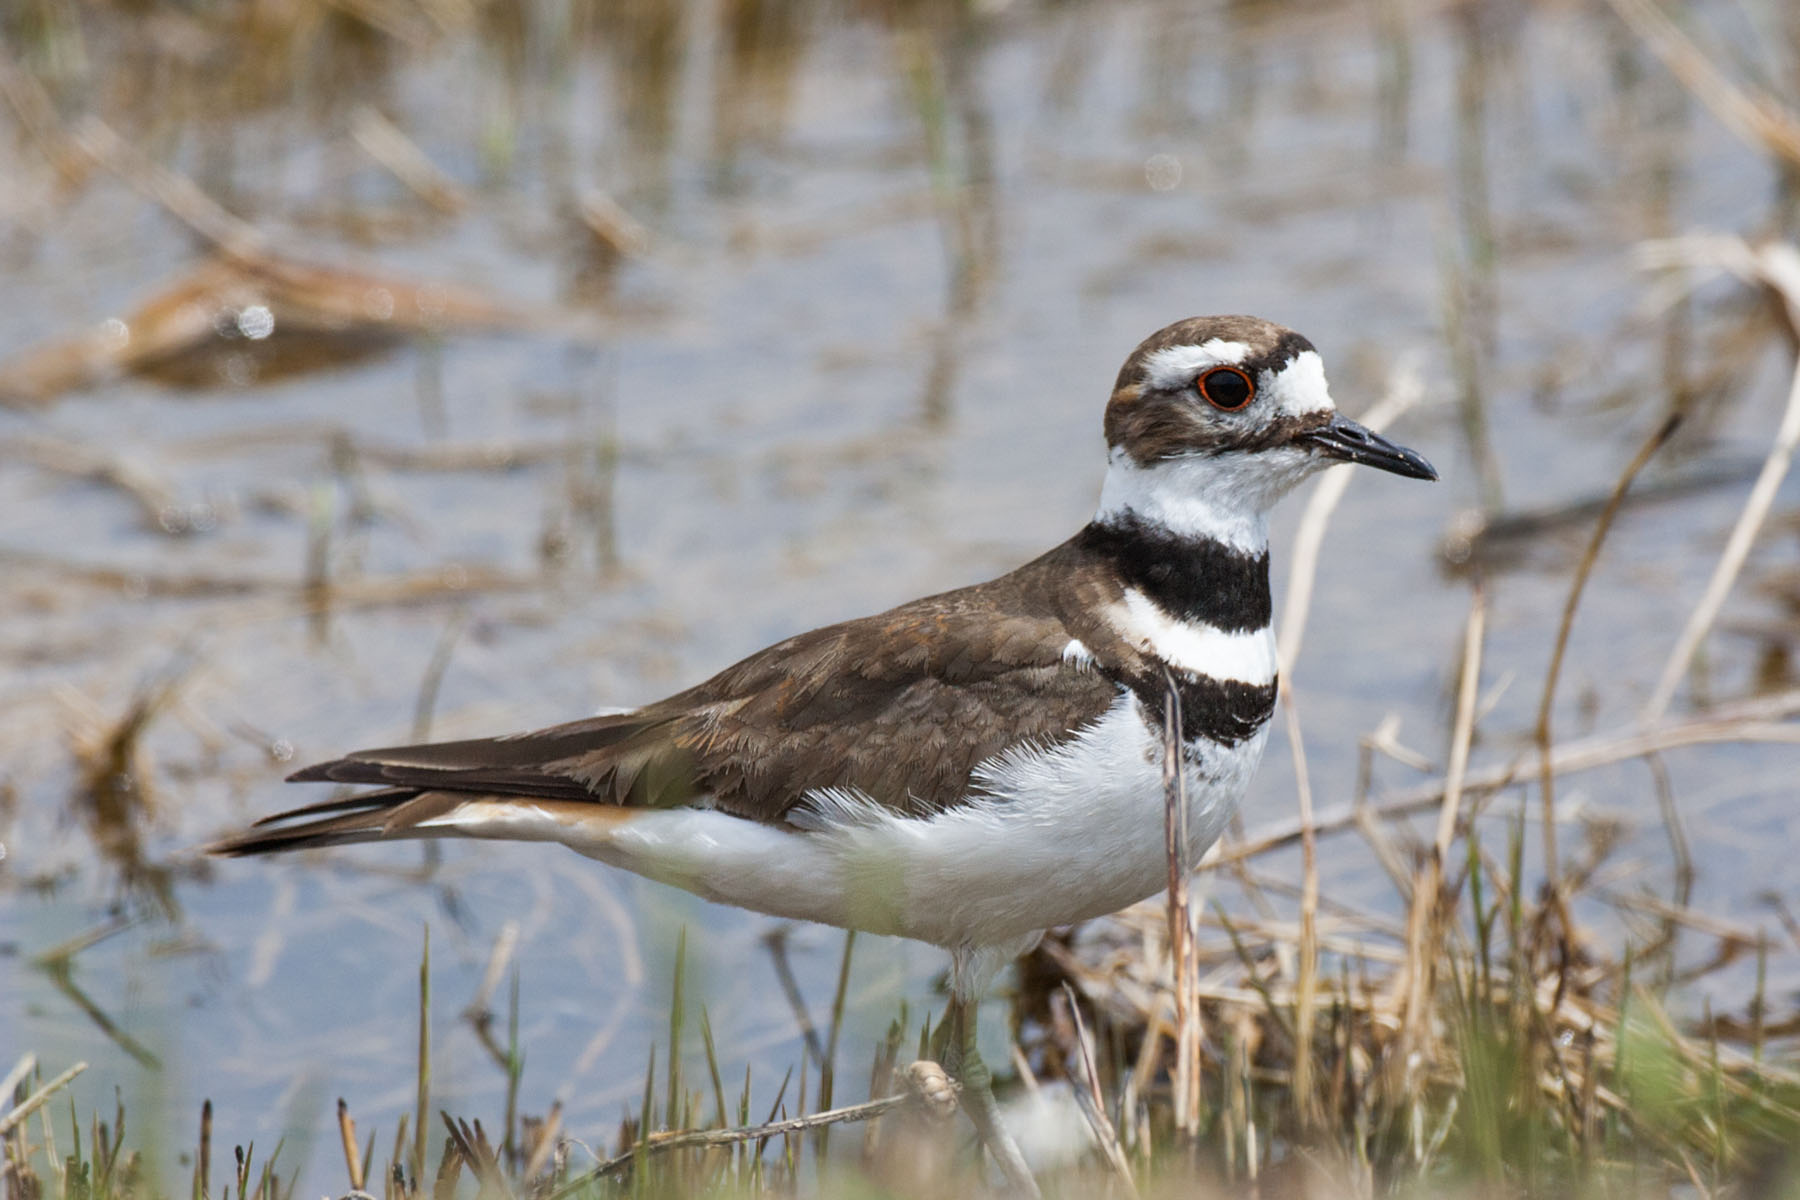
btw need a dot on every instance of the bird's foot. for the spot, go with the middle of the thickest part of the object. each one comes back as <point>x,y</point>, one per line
<point>962,1060</point>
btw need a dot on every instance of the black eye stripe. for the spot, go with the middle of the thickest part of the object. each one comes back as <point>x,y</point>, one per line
<point>1226,388</point>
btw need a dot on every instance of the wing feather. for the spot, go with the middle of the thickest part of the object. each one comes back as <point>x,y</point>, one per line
<point>898,708</point>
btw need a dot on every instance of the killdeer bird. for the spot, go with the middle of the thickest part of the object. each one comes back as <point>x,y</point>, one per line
<point>968,769</point>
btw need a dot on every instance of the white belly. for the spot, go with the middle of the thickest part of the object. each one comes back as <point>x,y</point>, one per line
<point>1064,834</point>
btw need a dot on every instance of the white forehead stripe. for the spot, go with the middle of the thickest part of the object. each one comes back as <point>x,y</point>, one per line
<point>1177,366</point>
<point>1299,388</point>
<point>1194,645</point>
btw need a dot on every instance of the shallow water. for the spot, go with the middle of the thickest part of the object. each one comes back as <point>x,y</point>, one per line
<point>895,254</point>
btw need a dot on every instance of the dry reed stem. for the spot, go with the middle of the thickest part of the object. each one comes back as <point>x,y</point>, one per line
<point>154,496</point>
<point>546,1142</point>
<point>1755,117</point>
<point>1463,732</point>
<point>1546,776</point>
<point>347,1136</point>
<point>1180,918</point>
<point>839,998</point>
<point>1778,266</point>
<point>472,1146</point>
<point>775,941</point>
<point>424,1067</point>
<point>480,1008</point>
<point>1701,922</point>
<point>25,1066</point>
<point>1416,983</point>
<point>425,703</point>
<point>1756,720</point>
<point>1381,844</point>
<point>36,114</point>
<point>388,145</point>
<point>614,227</point>
<point>663,1142</point>
<point>203,1167</point>
<point>405,23</point>
<point>1092,1103</point>
<point>1308,966</point>
<point>176,194</point>
<point>38,1099</point>
<point>451,581</point>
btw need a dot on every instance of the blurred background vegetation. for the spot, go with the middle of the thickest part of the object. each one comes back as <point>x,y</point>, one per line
<point>383,369</point>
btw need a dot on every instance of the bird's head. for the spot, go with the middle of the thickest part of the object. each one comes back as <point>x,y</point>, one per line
<point>1214,419</point>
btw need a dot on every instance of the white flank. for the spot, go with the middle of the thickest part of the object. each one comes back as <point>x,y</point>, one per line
<point>1061,834</point>
<point>1194,645</point>
<point>1074,831</point>
<point>1177,366</point>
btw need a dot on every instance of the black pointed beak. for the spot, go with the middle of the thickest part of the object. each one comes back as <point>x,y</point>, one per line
<point>1345,439</point>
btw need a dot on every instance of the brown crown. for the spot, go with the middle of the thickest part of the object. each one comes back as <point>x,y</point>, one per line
<point>1152,424</point>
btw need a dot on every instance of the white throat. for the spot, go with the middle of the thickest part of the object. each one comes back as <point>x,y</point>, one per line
<point>1194,497</point>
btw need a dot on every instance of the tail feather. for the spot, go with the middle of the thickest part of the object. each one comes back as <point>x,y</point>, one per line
<point>382,798</point>
<point>391,814</point>
<point>567,783</point>
<point>398,814</point>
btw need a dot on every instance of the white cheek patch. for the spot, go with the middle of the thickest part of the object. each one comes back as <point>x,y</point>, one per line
<point>1299,388</point>
<point>1176,367</point>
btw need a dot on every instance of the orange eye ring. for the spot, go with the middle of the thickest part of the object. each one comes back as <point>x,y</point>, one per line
<point>1227,389</point>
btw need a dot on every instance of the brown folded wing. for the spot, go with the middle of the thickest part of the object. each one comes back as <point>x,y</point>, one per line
<point>900,707</point>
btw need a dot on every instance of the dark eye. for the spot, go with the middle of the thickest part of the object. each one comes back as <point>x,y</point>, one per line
<point>1226,387</point>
